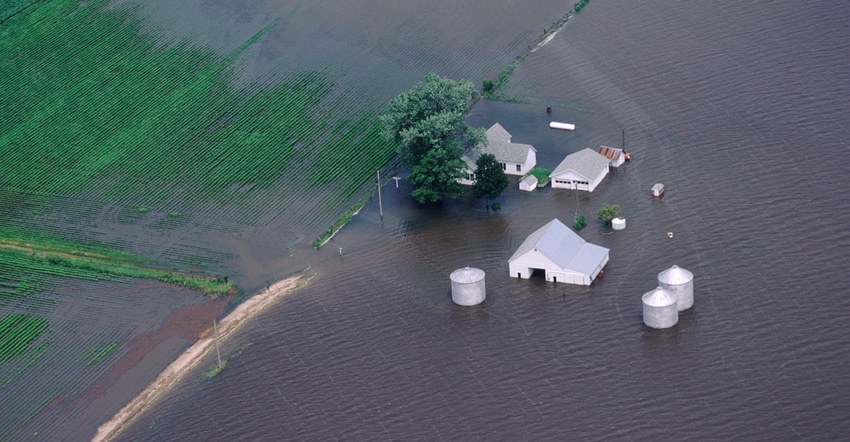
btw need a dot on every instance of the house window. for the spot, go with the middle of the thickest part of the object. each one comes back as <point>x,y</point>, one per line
<point>504,166</point>
<point>519,167</point>
<point>471,177</point>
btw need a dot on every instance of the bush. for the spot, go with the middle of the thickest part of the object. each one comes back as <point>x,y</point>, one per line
<point>607,213</point>
<point>489,86</point>
<point>578,222</point>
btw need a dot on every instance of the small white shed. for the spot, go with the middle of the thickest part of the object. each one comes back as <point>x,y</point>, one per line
<point>528,183</point>
<point>561,253</point>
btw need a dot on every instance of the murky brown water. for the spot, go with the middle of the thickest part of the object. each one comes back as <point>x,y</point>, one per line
<point>739,113</point>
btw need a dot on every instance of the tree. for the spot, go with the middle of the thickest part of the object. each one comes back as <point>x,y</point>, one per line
<point>607,213</point>
<point>490,179</point>
<point>578,221</point>
<point>437,174</point>
<point>427,123</point>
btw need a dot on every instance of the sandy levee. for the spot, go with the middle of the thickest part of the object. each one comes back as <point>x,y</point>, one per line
<point>196,352</point>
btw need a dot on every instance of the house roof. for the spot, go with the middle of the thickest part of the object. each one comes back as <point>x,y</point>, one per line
<point>586,163</point>
<point>564,247</point>
<point>499,144</point>
<point>531,180</point>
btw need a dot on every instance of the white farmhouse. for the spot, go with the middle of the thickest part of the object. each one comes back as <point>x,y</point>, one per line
<point>583,170</point>
<point>516,158</point>
<point>561,253</point>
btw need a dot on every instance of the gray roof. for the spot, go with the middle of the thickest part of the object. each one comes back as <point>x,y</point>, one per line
<point>660,297</point>
<point>563,246</point>
<point>675,275</point>
<point>499,144</point>
<point>467,275</point>
<point>586,163</point>
<point>531,180</point>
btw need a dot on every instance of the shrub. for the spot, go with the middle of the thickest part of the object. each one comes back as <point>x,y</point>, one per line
<point>607,213</point>
<point>489,86</point>
<point>578,222</point>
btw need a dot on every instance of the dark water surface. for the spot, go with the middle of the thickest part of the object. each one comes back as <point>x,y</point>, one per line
<point>740,111</point>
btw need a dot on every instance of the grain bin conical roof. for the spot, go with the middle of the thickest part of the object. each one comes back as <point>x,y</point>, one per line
<point>675,275</point>
<point>467,275</point>
<point>660,298</point>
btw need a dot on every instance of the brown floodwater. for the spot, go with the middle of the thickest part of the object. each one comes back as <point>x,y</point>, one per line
<point>740,113</point>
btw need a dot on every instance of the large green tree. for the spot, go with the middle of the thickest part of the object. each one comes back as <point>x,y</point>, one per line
<point>437,174</point>
<point>490,179</point>
<point>427,124</point>
<point>608,213</point>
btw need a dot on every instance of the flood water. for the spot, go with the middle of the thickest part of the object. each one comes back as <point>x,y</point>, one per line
<point>739,110</point>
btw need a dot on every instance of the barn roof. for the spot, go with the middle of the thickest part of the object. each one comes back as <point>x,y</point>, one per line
<point>564,247</point>
<point>586,163</point>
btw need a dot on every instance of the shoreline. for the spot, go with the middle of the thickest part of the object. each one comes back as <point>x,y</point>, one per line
<point>194,354</point>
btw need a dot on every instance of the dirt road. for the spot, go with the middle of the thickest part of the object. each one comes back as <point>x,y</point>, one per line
<point>172,374</point>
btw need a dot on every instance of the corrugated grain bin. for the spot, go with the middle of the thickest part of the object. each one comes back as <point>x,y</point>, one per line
<point>659,308</point>
<point>618,223</point>
<point>468,286</point>
<point>680,282</point>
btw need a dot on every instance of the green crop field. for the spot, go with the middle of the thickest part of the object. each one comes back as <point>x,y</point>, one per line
<point>92,107</point>
<point>110,137</point>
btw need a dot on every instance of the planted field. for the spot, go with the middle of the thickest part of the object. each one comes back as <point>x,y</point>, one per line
<point>115,142</point>
<point>17,332</point>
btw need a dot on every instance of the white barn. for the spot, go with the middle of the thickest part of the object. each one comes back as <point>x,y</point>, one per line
<point>561,253</point>
<point>583,170</point>
<point>516,158</point>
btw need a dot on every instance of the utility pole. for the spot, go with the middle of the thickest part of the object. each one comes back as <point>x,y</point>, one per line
<point>380,203</point>
<point>215,328</point>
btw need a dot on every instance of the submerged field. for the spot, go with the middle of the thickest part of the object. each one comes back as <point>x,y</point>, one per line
<point>161,150</point>
<point>100,117</point>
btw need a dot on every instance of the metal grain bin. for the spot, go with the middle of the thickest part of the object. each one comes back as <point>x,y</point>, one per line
<point>659,308</point>
<point>468,286</point>
<point>680,282</point>
<point>618,223</point>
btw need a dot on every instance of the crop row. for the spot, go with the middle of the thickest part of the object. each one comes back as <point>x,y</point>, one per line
<point>17,332</point>
<point>142,115</point>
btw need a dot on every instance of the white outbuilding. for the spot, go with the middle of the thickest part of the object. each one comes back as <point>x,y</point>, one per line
<point>528,183</point>
<point>515,158</point>
<point>583,170</point>
<point>561,253</point>
<point>615,156</point>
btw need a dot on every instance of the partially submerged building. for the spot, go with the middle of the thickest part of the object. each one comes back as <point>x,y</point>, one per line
<point>516,158</point>
<point>560,253</point>
<point>615,156</point>
<point>583,170</point>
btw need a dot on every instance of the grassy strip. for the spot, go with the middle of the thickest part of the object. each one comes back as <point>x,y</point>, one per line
<point>491,88</point>
<point>338,224</point>
<point>63,259</point>
<point>541,174</point>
